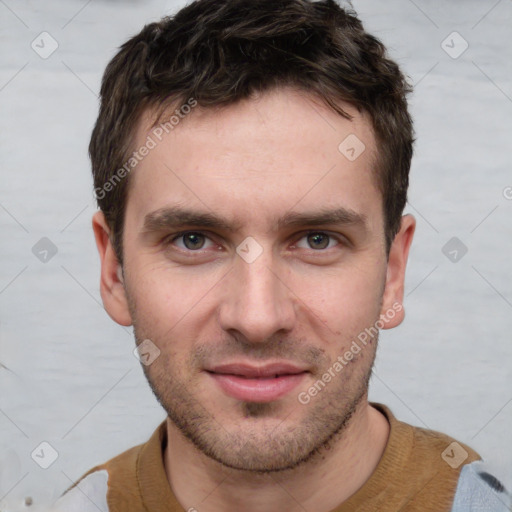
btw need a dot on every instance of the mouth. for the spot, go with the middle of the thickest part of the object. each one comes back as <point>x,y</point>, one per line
<point>261,384</point>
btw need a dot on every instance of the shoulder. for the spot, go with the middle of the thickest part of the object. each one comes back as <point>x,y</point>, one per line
<point>443,449</point>
<point>426,464</point>
<point>90,493</point>
<point>478,490</point>
<point>427,450</point>
<point>452,468</point>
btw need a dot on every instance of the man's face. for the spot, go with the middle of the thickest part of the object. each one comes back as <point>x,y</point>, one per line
<point>254,255</point>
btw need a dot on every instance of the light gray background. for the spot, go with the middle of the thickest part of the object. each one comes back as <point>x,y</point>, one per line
<point>71,378</point>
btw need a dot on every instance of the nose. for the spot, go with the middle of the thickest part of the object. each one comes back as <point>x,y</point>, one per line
<point>257,303</point>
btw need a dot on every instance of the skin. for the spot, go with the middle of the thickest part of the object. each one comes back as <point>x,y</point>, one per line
<point>303,300</point>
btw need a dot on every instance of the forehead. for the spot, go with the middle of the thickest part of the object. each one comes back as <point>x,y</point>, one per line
<point>281,149</point>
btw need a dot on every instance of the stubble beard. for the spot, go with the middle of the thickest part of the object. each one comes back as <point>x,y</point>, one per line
<point>264,443</point>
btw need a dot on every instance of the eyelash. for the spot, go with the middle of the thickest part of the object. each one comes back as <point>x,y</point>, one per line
<point>172,238</point>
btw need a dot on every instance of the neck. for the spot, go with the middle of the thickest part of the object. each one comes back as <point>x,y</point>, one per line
<point>321,484</point>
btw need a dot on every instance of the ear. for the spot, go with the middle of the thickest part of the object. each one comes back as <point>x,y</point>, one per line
<point>112,288</point>
<point>395,276</point>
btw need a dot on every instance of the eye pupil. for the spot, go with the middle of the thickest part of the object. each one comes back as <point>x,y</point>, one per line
<point>193,240</point>
<point>318,240</point>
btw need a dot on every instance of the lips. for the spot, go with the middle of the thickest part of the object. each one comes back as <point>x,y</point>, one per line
<point>261,384</point>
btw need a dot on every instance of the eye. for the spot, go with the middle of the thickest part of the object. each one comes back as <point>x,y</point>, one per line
<point>191,240</point>
<point>318,240</point>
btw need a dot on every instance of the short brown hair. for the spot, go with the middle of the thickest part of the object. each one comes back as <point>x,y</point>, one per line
<point>219,52</point>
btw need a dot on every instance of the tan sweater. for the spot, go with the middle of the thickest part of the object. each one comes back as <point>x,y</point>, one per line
<point>415,474</point>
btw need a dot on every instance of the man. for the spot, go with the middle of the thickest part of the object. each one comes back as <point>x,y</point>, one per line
<point>251,163</point>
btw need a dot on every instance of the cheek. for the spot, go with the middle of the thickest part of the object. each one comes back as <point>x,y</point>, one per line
<point>167,302</point>
<point>345,301</point>
<point>153,303</point>
<point>172,302</point>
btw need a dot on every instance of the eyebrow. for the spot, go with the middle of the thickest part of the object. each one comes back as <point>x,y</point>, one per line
<point>176,217</point>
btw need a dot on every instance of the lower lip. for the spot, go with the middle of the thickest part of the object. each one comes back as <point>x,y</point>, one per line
<point>257,390</point>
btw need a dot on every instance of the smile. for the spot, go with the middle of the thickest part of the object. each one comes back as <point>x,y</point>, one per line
<point>257,384</point>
